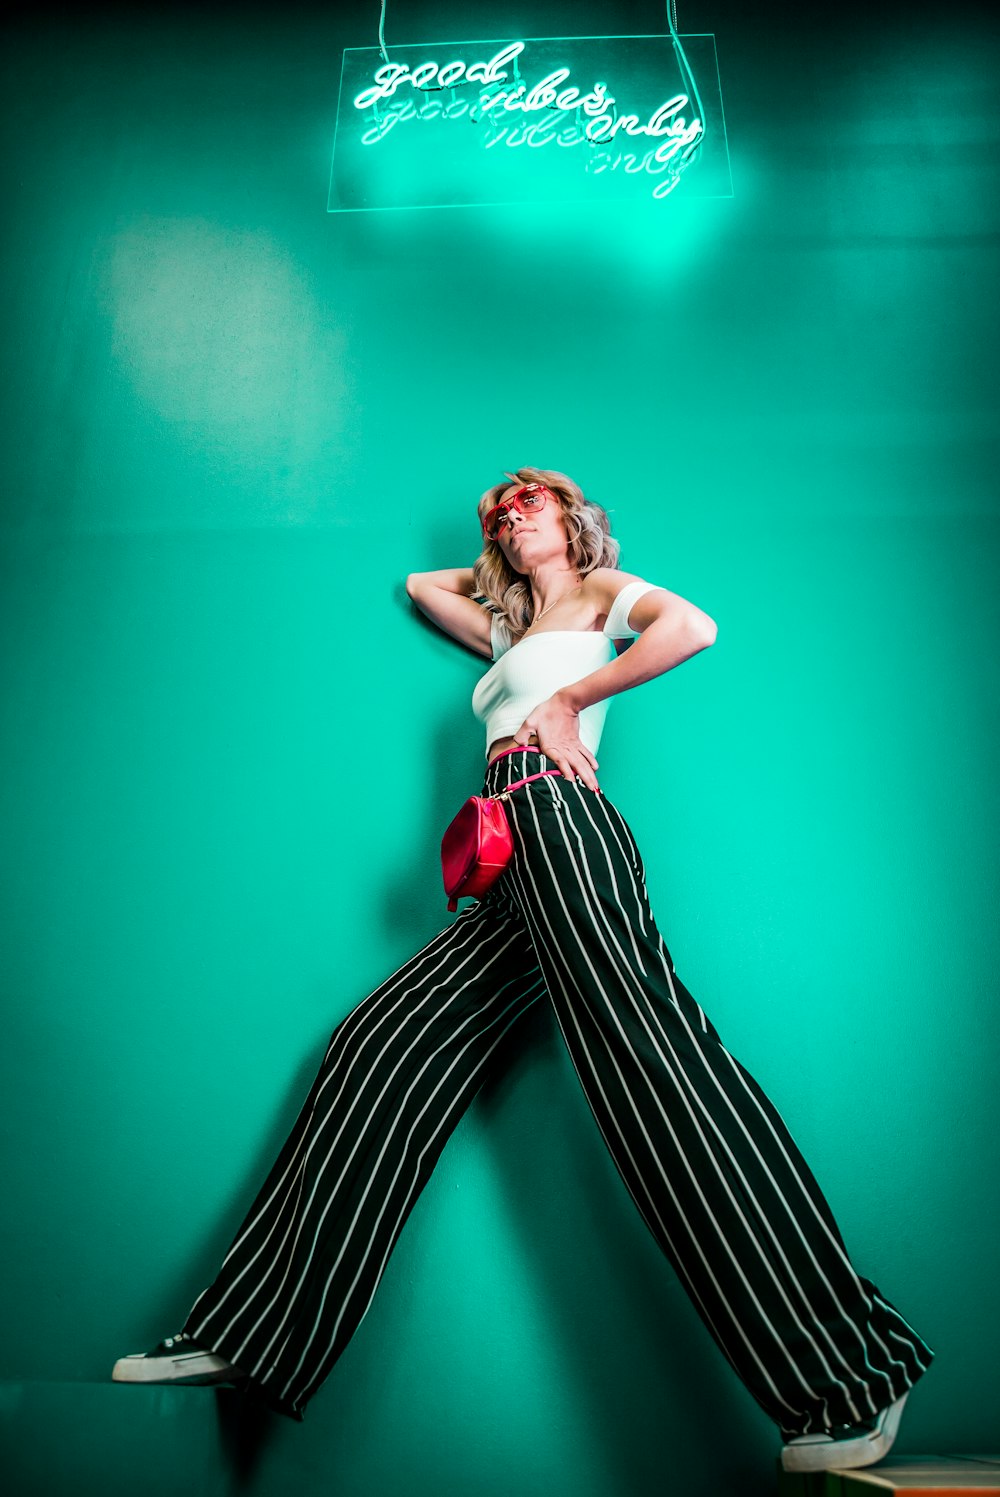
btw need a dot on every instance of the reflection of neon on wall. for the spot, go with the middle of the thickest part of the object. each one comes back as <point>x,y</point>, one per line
<point>562,125</point>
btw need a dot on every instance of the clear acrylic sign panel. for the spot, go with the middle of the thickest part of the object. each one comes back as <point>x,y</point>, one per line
<point>548,120</point>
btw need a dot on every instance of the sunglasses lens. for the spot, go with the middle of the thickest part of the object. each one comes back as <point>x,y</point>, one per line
<point>494,521</point>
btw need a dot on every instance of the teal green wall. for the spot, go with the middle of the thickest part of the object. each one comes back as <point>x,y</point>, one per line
<point>230,745</point>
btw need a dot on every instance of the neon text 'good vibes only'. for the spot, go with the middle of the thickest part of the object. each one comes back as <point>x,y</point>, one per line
<point>596,122</point>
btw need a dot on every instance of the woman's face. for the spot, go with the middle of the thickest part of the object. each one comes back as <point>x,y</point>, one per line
<point>528,540</point>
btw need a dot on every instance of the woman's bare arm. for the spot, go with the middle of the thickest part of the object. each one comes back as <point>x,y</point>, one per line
<point>446,598</point>
<point>671,630</point>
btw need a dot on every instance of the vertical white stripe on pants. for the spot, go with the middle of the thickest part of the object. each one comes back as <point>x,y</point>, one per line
<point>703,1153</point>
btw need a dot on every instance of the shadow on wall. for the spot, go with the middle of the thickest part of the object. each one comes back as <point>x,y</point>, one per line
<point>633,1354</point>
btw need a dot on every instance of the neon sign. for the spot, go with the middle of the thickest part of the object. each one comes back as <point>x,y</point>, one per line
<point>441,126</point>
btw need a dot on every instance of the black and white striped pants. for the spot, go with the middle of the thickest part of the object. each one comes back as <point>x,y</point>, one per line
<point>703,1153</point>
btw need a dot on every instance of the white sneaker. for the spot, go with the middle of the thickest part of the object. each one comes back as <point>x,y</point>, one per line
<point>858,1445</point>
<point>176,1360</point>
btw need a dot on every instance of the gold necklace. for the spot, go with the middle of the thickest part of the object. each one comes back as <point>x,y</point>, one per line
<point>548,606</point>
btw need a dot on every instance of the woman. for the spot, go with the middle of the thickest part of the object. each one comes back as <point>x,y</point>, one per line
<point>706,1158</point>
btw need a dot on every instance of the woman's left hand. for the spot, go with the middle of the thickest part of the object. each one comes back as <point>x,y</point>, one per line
<point>555,727</point>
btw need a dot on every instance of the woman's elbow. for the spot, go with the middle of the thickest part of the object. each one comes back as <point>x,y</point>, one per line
<point>702,629</point>
<point>413,585</point>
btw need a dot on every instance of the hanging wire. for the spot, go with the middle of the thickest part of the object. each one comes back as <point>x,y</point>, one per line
<point>684,65</point>
<point>425,88</point>
<point>381,34</point>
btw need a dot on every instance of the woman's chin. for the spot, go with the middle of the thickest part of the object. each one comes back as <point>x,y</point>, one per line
<point>516,563</point>
<point>524,558</point>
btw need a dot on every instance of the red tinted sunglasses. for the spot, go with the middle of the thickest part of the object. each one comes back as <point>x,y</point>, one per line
<point>529,500</point>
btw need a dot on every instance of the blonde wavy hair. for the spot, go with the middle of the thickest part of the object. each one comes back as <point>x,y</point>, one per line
<point>591,545</point>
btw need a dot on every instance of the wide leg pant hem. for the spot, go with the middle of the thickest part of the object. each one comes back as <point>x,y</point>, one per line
<point>254,1387</point>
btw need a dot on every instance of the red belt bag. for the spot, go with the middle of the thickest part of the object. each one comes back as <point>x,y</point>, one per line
<point>478,845</point>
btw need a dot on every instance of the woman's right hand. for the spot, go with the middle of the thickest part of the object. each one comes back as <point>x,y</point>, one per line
<point>555,727</point>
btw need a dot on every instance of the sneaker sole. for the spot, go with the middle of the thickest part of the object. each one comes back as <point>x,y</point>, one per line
<point>197,1367</point>
<point>846,1455</point>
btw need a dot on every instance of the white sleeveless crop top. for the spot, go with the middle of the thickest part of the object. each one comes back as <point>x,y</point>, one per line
<point>529,672</point>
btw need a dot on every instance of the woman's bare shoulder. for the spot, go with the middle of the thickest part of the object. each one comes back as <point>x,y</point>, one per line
<point>603,585</point>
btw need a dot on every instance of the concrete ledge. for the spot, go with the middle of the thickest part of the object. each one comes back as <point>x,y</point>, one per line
<point>930,1475</point>
<point>104,1440</point>
<point>108,1440</point>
